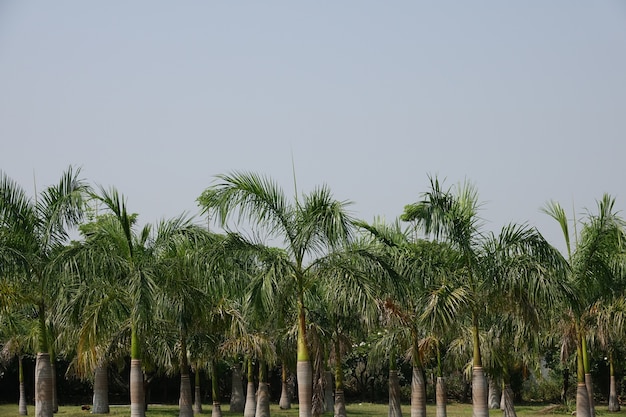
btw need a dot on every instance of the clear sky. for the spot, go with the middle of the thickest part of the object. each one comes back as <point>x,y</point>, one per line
<point>526,99</point>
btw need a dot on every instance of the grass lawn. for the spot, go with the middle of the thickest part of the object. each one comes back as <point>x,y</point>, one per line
<point>355,409</point>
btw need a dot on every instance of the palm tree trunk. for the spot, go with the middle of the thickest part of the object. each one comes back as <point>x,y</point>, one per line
<point>43,386</point>
<point>340,399</point>
<point>263,393</point>
<point>588,380</point>
<point>250,407</point>
<point>304,371</point>
<point>613,401</point>
<point>441,397</point>
<point>284,403</point>
<point>138,403</point>
<point>495,396</point>
<point>43,370</point>
<point>479,382</point>
<point>582,397</point>
<point>395,409</point>
<point>197,399</point>
<point>215,391</point>
<point>137,395</point>
<point>329,403</point>
<point>100,390</point>
<point>185,408</point>
<point>507,400</point>
<point>237,399</point>
<point>22,409</point>
<point>418,393</point>
<point>185,401</point>
<point>479,392</point>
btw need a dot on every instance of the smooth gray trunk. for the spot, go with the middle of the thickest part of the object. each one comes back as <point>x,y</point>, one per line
<point>250,407</point>
<point>137,394</point>
<point>395,409</point>
<point>100,403</point>
<point>237,399</point>
<point>441,397</point>
<point>263,400</point>
<point>216,411</point>
<point>582,401</point>
<point>495,396</point>
<point>197,400</point>
<point>22,408</point>
<point>185,402</point>
<point>613,401</point>
<point>479,393</point>
<point>507,399</point>
<point>418,393</point>
<point>43,386</point>
<point>340,404</point>
<point>284,403</point>
<point>21,405</point>
<point>589,385</point>
<point>304,373</point>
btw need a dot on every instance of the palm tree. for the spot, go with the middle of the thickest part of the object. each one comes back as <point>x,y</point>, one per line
<point>31,233</point>
<point>309,229</point>
<point>610,318</point>
<point>14,334</point>
<point>131,258</point>
<point>592,274</point>
<point>453,216</point>
<point>421,299</point>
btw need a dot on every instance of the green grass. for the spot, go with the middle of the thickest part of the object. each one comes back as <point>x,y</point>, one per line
<point>355,409</point>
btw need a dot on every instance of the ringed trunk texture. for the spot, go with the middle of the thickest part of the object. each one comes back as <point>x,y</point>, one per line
<point>216,411</point>
<point>494,395</point>
<point>340,403</point>
<point>185,403</point>
<point>582,401</point>
<point>100,391</point>
<point>329,404</point>
<point>479,393</point>
<point>418,393</point>
<point>137,396</point>
<point>284,403</point>
<point>304,373</point>
<point>507,400</point>
<point>395,409</point>
<point>22,409</point>
<point>613,401</point>
<point>263,400</point>
<point>589,384</point>
<point>197,400</point>
<point>441,397</point>
<point>43,386</point>
<point>237,399</point>
<point>250,407</point>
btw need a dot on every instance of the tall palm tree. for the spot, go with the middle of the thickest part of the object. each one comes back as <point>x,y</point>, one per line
<point>452,215</point>
<point>309,228</point>
<point>421,298</point>
<point>32,230</point>
<point>132,258</point>
<point>591,260</point>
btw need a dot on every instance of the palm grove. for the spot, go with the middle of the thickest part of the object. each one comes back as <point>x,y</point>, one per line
<point>294,284</point>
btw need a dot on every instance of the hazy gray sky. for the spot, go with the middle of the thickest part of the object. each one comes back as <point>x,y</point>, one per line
<point>526,99</point>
